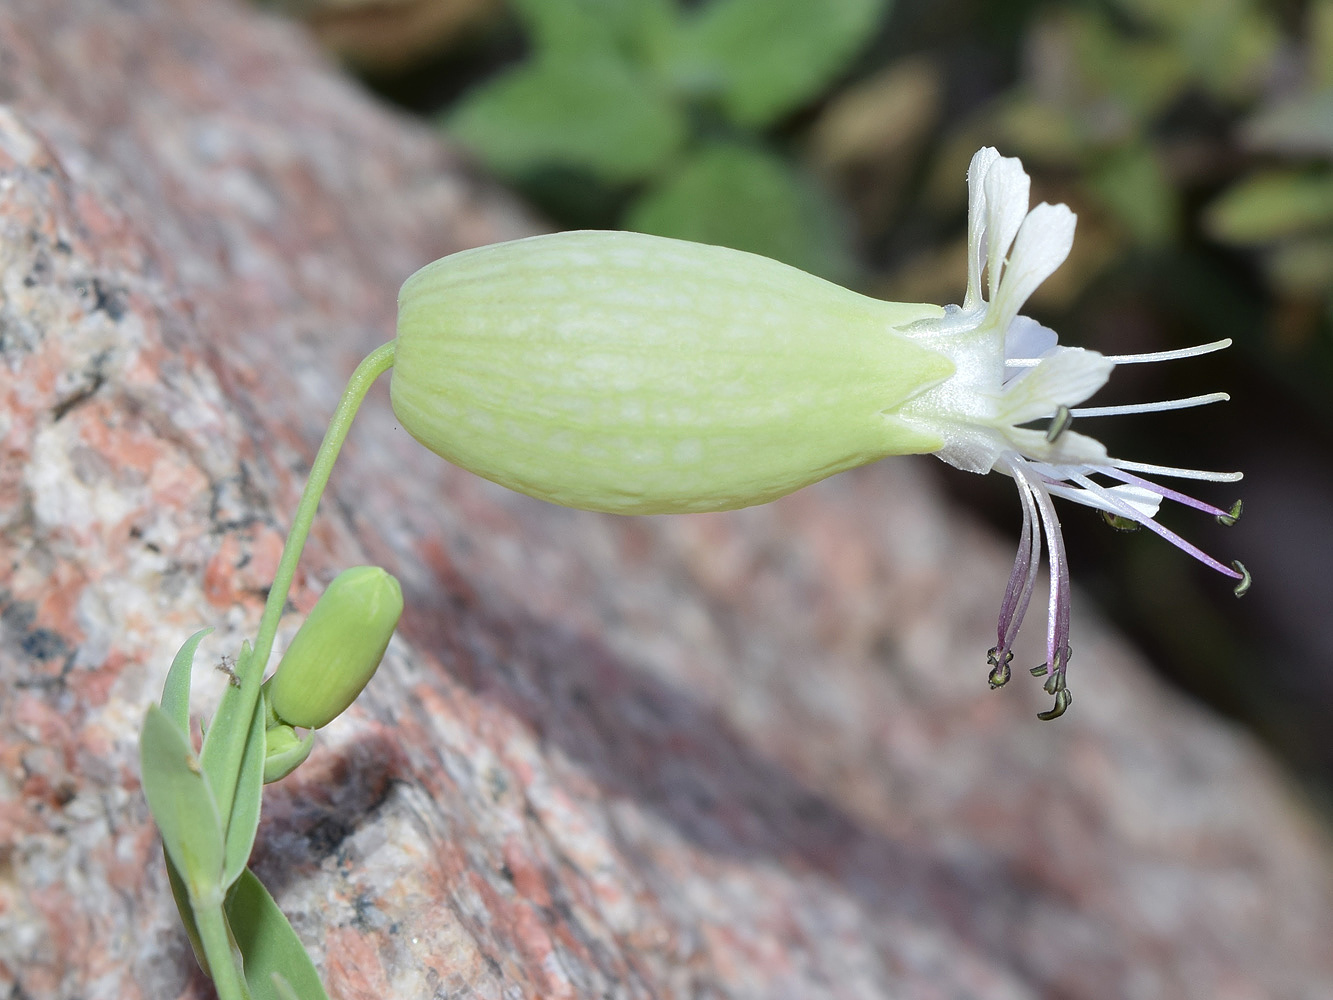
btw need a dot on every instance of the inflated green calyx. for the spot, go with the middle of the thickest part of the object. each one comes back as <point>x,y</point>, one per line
<point>634,374</point>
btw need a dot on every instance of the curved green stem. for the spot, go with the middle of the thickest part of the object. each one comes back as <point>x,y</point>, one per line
<point>375,364</point>
<point>372,367</point>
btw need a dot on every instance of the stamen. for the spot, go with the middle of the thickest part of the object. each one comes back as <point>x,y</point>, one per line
<point>1120,523</point>
<point>1115,503</point>
<point>1057,611</point>
<point>1158,407</point>
<point>1055,683</point>
<point>1138,359</point>
<point>1062,700</point>
<point>999,677</point>
<point>1060,423</point>
<point>1017,596</point>
<point>1232,516</point>
<point>1244,573</point>
<point>1169,494</point>
<point>1184,352</point>
<point>1167,470</point>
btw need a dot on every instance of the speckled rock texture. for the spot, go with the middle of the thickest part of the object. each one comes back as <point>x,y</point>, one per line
<point>749,755</point>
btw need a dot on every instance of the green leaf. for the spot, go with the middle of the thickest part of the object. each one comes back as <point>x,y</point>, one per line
<point>1301,125</point>
<point>1319,29</point>
<point>182,897</point>
<point>245,806</point>
<point>598,115</point>
<point>176,690</point>
<point>1134,76</point>
<point>270,946</point>
<point>636,29</point>
<point>764,58</point>
<point>181,801</point>
<point>1272,205</point>
<point>1303,267</point>
<point>1131,184</point>
<point>566,27</point>
<point>747,199</point>
<point>228,734</point>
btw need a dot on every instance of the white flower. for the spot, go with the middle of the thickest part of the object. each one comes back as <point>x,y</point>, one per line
<point>1011,372</point>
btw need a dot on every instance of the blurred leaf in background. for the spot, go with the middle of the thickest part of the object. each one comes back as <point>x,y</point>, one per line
<point>666,109</point>
<point>1283,210</point>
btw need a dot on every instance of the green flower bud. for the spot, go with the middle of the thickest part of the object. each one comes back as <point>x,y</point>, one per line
<point>636,374</point>
<point>337,649</point>
<point>284,751</point>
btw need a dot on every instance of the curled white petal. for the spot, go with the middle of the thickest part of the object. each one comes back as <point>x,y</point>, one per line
<point>976,223</point>
<point>1069,376</point>
<point>1007,188</point>
<point>1042,244</point>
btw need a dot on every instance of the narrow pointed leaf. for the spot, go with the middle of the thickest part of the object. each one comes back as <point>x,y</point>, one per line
<point>229,728</point>
<point>182,897</point>
<point>176,690</point>
<point>270,946</point>
<point>245,805</point>
<point>181,801</point>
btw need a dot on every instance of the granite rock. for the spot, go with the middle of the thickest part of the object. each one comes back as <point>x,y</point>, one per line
<point>723,756</point>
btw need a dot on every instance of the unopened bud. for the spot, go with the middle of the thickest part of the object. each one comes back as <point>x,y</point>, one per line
<point>284,751</point>
<point>336,651</point>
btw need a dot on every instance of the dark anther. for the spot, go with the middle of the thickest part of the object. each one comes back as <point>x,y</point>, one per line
<point>999,677</point>
<point>1244,584</point>
<point>1120,523</point>
<point>1056,682</point>
<point>1059,424</point>
<point>1038,671</point>
<point>1230,518</point>
<point>1062,700</point>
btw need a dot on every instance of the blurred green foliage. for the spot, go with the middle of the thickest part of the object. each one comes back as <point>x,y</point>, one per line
<point>667,109</point>
<point>1103,96</point>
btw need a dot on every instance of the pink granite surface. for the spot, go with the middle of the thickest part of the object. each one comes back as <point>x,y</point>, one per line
<point>749,755</point>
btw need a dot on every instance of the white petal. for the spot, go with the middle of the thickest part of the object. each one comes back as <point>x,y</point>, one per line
<point>976,222</point>
<point>1142,501</point>
<point>1066,378</point>
<point>1071,449</point>
<point>1146,502</point>
<point>1043,243</point>
<point>1026,338</point>
<point>1007,188</point>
